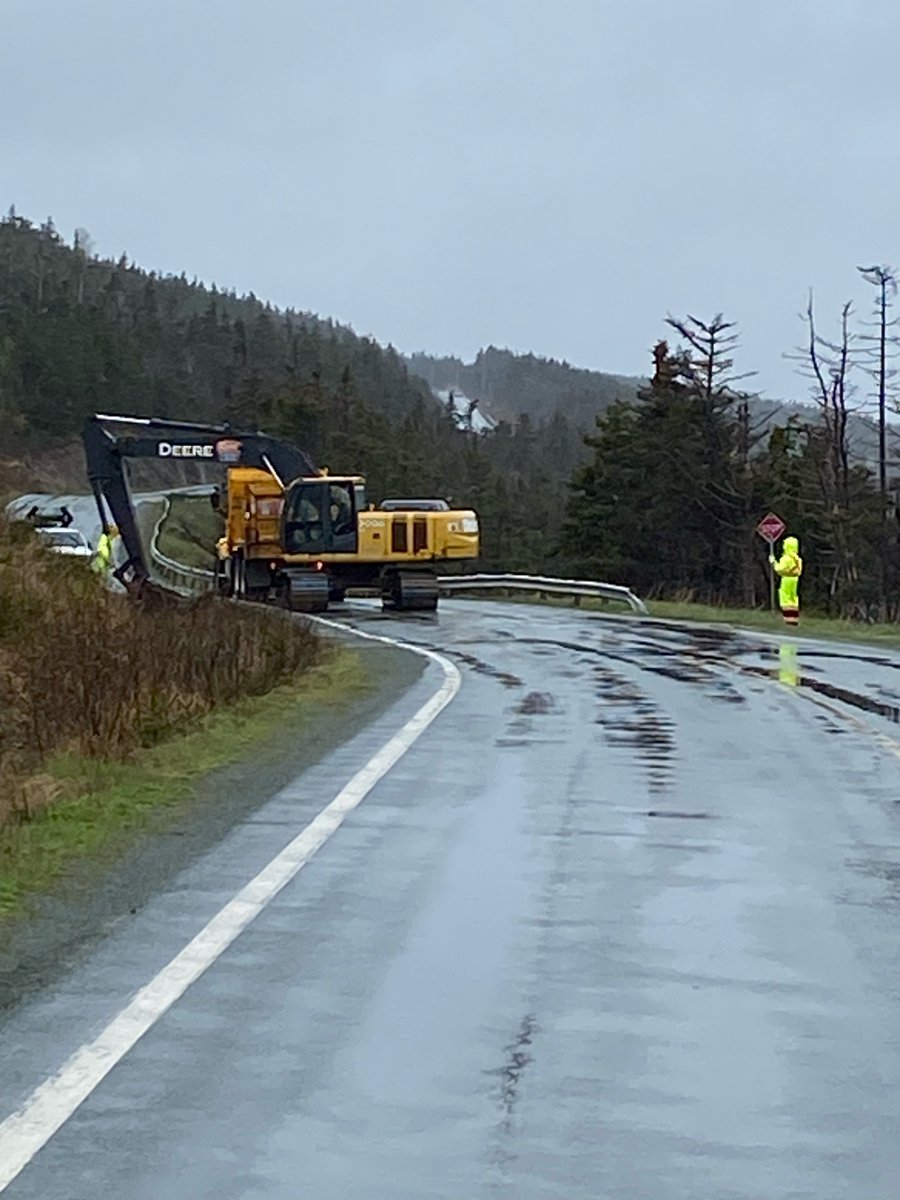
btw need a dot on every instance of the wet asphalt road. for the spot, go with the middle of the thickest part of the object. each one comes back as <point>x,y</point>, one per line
<point>623,923</point>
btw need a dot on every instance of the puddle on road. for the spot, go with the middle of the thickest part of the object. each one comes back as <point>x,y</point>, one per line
<point>478,665</point>
<point>714,687</point>
<point>520,730</point>
<point>890,710</point>
<point>723,648</point>
<point>537,702</point>
<point>629,718</point>
<point>637,651</point>
<point>705,639</point>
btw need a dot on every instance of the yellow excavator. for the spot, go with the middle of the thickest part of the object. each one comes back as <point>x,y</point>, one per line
<point>293,534</point>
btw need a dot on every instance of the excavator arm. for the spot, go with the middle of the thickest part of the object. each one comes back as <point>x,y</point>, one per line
<point>110,440</point>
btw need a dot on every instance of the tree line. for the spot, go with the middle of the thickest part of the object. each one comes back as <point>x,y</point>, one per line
<point>81,334</point>
<point>662,492</point>
<point>678,481</point>
<point>514,384</point>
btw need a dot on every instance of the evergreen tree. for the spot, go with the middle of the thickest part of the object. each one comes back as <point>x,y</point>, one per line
<point>655,505</point>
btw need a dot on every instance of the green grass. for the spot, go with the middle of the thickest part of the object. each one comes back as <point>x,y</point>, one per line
<point>811,624</point>
<point>190,531</point>
<point>105,805</point>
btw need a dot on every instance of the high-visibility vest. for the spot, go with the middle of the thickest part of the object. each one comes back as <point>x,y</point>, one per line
<point>103,554</point>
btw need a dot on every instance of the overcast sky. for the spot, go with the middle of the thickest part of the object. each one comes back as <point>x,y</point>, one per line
<point>550,176</point>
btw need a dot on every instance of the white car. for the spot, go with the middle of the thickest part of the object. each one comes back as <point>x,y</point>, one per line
<point>65,541</point>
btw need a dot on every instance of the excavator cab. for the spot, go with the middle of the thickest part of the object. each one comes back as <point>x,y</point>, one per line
<point>320,515</point>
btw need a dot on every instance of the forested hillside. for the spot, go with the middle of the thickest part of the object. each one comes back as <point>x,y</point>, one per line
<point>663,492</point>
<point>509,385</point>
<point>80,334</point>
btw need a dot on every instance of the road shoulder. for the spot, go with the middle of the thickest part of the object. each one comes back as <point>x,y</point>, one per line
<point>97,893</point>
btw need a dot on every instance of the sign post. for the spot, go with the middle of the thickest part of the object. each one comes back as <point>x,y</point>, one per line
<point>770,528</point>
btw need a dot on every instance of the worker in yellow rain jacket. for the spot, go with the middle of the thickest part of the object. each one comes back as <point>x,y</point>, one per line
<point>102,561</point>
<point>789,568</point>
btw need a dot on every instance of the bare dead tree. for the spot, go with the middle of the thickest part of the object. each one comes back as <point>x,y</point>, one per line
<point>829,366</point>
<point>84,249</point>
<point>881,348</point>
<point>709,361</point>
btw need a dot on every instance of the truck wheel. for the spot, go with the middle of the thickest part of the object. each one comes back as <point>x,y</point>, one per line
<point>239,577</point>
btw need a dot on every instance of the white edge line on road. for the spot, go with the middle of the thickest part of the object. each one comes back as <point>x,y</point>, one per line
<point>25,1132</point>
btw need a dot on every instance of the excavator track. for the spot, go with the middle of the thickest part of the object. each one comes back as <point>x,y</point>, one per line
<point>409,590</point>
<point>307,591</point>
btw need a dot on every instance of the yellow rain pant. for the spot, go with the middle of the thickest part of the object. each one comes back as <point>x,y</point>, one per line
<point>788,599</point>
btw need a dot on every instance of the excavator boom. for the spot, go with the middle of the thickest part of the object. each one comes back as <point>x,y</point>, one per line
<point>110,440</point>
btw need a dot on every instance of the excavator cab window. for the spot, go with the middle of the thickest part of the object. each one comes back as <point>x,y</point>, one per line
<point>320,518</point>
<point>304,527</point>
<point>341,535</point>
<point>340,511</point>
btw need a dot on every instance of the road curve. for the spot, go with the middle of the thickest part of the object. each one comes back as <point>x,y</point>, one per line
<point>622,923</point>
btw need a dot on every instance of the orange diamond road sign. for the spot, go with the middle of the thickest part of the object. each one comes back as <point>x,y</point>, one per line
<point>771,527</point>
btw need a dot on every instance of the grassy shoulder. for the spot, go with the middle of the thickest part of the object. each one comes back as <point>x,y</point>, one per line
<point>812,625</point>
<point>100,807</point>
<point>84,671</point>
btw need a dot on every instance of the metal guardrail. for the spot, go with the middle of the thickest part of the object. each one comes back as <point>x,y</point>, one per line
<point>543,584</point>
<point>190,581</point>
<point>194,580</point>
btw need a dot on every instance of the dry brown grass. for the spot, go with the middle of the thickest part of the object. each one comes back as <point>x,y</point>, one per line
<point>89,672</point>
